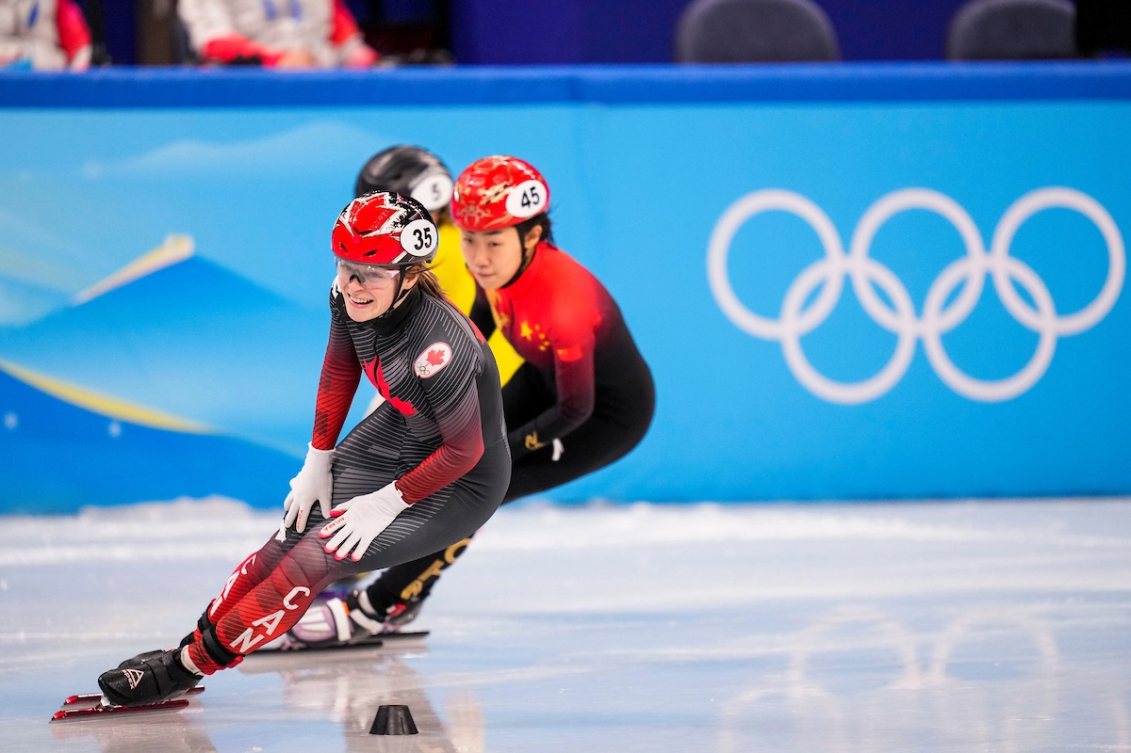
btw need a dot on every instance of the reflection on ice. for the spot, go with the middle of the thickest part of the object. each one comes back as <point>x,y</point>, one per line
<point>958,627</point>
<point>348,688</point>
<point>1004,698</point>
<point>173,732</point>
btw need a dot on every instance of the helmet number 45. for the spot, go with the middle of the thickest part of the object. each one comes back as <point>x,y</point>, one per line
<point>527,199</point>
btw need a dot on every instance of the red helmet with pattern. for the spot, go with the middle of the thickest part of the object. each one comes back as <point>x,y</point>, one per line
<point>498,192</point>
<point>385,229</point>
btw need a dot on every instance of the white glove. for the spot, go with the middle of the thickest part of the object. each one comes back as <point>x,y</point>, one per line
<point>314,483</point>
<point>360,520</point>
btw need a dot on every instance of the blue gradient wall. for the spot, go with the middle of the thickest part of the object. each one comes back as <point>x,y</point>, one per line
<point>862,329</point>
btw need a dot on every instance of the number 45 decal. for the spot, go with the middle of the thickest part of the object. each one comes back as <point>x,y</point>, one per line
<point>527,199</point>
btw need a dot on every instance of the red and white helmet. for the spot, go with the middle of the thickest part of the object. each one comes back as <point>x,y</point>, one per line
<point>386,229</point>
<point>498,192</point>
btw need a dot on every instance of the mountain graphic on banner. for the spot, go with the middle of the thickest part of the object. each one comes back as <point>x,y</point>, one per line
<point>185,337</point>
<point>59,457</point>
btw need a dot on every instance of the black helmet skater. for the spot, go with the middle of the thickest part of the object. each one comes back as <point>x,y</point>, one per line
<point>409,171</point>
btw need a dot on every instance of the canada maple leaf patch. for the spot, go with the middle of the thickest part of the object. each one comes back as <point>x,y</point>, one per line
<point>434,358</point>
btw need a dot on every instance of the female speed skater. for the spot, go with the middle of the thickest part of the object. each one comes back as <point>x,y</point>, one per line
<point>583,398</point>
<point>419,474</point>
<point>420,174</point>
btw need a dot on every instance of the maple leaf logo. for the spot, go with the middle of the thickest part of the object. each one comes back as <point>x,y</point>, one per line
<point>434,358</point>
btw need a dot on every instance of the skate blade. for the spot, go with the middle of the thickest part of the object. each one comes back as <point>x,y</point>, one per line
<point>276,660</point>
<point>382,640</point>
<point>90,706</point>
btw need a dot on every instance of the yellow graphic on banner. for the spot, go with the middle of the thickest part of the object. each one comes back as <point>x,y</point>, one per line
<point>104,405</point>
<point>174,250</point>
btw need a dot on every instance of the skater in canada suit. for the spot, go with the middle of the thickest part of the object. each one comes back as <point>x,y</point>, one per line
<point>582,399</point>
<point>419,474</point>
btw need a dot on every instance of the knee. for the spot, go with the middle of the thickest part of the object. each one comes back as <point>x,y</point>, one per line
<point>306,565</point>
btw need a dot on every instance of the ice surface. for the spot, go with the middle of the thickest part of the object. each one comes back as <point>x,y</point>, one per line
<point>1001,626</point>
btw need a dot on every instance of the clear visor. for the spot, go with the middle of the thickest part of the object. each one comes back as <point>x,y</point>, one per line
<point>371,276</point>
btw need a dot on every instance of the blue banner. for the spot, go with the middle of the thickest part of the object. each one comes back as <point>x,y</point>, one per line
<point>839,298</point>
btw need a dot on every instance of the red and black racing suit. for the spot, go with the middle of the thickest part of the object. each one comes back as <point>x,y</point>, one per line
<point>584,383</point>
<point>440,436</point>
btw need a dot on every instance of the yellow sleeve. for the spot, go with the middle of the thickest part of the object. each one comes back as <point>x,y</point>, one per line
<point>450,269</point>
<point>459,286</point>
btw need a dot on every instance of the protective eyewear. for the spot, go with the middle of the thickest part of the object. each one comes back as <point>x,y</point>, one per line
<point>368,275</point>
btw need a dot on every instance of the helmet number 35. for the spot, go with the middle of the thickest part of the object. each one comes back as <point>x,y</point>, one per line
<point>419,237</point>
<point>527,199</point>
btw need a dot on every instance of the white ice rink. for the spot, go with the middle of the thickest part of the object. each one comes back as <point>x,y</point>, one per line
<point>912,627</point>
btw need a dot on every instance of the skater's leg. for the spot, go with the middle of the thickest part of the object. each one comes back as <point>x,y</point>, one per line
<point>387,598</point>
<point>251,572</point>
<point>277,603</point>
<point>526,394</point>
<point>373,437</point>
<point>592,446</point>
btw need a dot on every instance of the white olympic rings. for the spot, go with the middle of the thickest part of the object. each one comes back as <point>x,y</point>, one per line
<point>938,317</point>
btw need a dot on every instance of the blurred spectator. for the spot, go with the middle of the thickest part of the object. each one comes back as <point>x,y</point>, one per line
<point>44,35</point>
<point>275,33</point>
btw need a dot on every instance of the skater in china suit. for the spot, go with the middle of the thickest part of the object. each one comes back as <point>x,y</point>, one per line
<point>417,475</point>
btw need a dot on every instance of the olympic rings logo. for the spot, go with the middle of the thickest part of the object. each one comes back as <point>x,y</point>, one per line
<point>938,318</point>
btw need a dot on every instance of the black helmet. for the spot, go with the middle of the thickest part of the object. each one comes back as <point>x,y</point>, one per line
<point>409,171</point>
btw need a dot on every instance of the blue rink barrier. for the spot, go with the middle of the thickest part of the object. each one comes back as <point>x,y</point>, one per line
<point>851,281</point>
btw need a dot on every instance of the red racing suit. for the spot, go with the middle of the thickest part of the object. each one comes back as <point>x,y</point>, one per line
<point>564,323</point>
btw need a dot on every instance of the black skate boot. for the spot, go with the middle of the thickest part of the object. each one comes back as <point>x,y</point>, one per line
<point>152,680</point>
<point>383,614</point>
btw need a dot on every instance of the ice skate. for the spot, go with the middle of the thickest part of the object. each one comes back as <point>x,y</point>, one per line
<point>337,622</point>
<point>160,677</point>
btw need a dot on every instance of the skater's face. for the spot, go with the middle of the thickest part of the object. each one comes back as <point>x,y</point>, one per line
<point>494,258</point>
<point>368,290</point>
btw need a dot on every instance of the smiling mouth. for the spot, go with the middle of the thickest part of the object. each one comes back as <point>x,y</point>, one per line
<point>360,302</point>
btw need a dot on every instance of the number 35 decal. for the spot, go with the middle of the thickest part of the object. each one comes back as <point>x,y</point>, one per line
<point>419,237</point>
<point>527,199</point>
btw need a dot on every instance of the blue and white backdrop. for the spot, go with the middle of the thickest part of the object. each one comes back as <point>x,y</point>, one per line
<point>851,293</point>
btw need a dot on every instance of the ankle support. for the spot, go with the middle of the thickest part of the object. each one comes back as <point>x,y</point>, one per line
<point>216,650</point>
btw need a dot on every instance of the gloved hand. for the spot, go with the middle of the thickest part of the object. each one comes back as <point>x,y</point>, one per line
<point>314,483</point>
<point>360,520</point>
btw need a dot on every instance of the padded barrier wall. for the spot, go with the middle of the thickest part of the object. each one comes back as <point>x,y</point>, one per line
<point>854,281</point>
